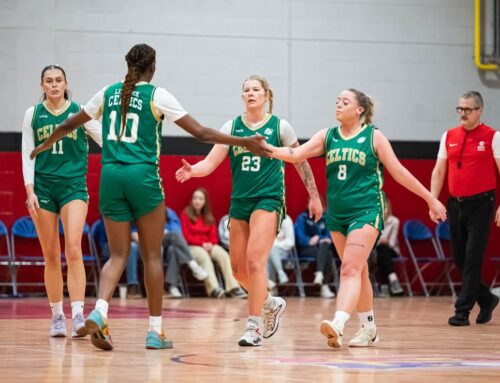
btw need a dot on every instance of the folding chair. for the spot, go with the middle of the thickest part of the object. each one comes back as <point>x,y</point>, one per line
<point>293,259</point>
<point>24,228</point>
<point>6,260</point>
<point>415,231</point>
<point>90,259</point>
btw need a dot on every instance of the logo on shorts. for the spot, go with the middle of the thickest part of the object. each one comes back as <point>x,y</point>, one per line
<point>361,140</point>
<point>481,147</point>
<point>44,201</point>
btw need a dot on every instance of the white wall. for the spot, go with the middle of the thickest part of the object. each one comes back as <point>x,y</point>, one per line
<point>415,57</point>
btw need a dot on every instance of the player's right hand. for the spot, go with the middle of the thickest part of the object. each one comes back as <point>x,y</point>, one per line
<point>258,146</point>
<point>437,211</point>
<point>32,204</point>
<point>184,173</point>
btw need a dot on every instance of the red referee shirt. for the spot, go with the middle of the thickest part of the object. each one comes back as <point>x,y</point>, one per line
<point>471,164</point>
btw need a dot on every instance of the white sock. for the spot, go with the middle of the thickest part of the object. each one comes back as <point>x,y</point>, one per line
<point>57,308</point>
<point>393,277</point>
<point>256,319</point>
<point>102,306</point>
<point>155,324</point>
<point>367,319</point>
<point>192,264</point>
<point>341,317</point>
<point>76,308</point>
<point>269,302</point>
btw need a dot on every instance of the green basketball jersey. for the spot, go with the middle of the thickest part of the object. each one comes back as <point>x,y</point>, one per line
<point>141,140</point>
<point>69,156</point>
<point>254,176</point>
<point>354,173</point>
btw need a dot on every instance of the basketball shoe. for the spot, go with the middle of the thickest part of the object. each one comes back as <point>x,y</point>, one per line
<point>98,328</point>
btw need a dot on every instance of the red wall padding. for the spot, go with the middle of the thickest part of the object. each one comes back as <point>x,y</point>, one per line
<point>405,204</point>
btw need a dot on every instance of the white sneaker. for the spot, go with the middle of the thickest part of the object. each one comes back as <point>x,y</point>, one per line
<point>333,331</point>
<point>318,278</point>
<point>365,337</point>
<point>58,327</point>
<point>79,329</point>
<point>282,277</point>
<point>326,292</point>
<point>272,316</point>
<point>174,292</point>
<point>252,335</point>
<point>270,284</point>
<point>199,272</point>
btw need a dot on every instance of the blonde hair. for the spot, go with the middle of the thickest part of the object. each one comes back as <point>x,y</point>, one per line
<point>265,86</point>
<point>366,103</point>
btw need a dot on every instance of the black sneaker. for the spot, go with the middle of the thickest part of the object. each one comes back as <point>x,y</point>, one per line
<point>237,292</point>
<point>484,315</point>
<point>459,319</point>
<point>217,293</point>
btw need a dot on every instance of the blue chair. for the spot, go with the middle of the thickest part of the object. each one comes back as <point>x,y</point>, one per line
<point>89,260</point>
<point>24,228</point>
<point>6,260</point>
<point>415,231</point>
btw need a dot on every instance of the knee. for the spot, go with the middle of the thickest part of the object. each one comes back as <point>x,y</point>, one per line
<point>52,258</point>
<point>350,269</point>
<point>73,253</point>
<point>253,264</point>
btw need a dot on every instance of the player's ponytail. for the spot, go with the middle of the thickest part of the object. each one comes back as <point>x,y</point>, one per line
<point>266,87</point>
<point>366,103</point>
<point>139,59</point>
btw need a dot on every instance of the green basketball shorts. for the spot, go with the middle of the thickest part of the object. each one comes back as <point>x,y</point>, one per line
<point>345,225</point>
<point>53,195</point>
<point>242,209</point>
<point>129,191</point>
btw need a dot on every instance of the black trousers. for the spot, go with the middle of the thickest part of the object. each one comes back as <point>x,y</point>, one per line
<point>324,258</point>
<point>385,262</point>
<point>470,223</point>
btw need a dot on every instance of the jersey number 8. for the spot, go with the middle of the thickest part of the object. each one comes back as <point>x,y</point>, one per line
<point>342,174</point>
<point>134,117</point>
<point>251,164</point>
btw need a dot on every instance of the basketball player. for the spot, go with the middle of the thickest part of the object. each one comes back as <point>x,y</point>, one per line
<point>131,188</point>
<point>257,202</point>
<point>355,155</point>
<point>56,187</point>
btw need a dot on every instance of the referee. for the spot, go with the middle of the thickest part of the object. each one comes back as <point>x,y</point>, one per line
<point>471,152</point>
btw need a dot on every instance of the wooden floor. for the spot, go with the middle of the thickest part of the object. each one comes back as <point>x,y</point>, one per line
<point>416,345</point>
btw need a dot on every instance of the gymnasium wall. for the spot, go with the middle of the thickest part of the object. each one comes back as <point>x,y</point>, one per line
<point>415,57</point>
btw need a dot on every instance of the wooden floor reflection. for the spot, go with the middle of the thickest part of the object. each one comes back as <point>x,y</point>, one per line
<point>416,345</point>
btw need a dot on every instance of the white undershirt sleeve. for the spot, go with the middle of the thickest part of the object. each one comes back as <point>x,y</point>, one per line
<point>167,105</point>
<point>94,129</point>
<point>442,154</point>
<point>287,134</point>
<point>227,129</point>
<point>94,106</point>
<point>27,146</point>
<point>495,145</point>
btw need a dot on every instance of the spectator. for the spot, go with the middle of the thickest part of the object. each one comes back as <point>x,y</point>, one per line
<point>313,239</point>
<point>387,249</point>
<point>283,243</point>
<point>200,232</point>
<point>177,254</point>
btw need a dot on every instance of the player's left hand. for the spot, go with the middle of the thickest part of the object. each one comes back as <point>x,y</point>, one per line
<point>258,146</point>
<point>315,209</point>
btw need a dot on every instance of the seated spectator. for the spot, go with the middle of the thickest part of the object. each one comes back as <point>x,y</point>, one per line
<point>224,232</point>
<point>284,242</point>
<point>200,232</point>
<point>177,254</point>
<point>133,288</point>
<point>387,249</point>
<point>313,239</point>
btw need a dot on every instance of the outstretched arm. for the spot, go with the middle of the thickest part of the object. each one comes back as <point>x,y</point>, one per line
<point>386,155</point>
<point>204,167</point>
<point>256,144</point>
<point>66,127</point>
<point>312,148</point>
<point>306,174</point>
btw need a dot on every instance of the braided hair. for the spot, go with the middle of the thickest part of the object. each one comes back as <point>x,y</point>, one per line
<point>139,59</point>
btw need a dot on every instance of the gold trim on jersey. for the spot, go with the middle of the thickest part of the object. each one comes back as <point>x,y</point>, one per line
<point>57,112</point>
<point>157,116</point>
<point>257,126</point>
<point>363,127</point>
